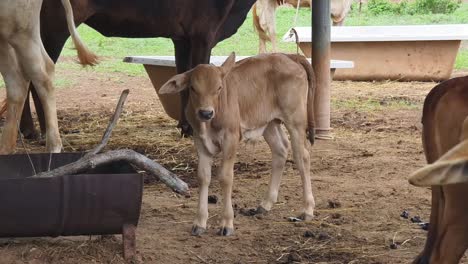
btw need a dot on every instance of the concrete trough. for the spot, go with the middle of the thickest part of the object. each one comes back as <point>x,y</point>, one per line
<point>403,53</point>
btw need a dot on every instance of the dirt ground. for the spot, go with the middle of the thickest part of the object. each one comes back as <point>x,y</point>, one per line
<point>359,182</point>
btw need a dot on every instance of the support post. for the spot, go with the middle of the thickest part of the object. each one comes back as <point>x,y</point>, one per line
<point>129,242</point>
<point>321,31</point>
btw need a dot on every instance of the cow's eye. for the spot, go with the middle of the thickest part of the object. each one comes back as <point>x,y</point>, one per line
<point>219,88</point>
<point>192,89</point>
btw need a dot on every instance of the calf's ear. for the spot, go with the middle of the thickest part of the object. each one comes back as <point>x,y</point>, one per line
<point>176,84</point>
<point>451,168</point>
<point>229,63</point>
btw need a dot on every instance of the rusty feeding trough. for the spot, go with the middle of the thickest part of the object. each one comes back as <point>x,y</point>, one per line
<point>102,201</point>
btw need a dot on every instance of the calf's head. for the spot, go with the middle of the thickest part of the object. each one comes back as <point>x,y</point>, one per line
<point>205,84</point>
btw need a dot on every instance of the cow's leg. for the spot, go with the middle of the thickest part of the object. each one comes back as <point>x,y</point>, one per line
<point>53,45</point>
<point>261,45</point>
<point>16,87</point>
<point>302,160</point>
<point>272,30</point>
<point>30,49</point>
<point>279,145</point>
<point>204,177</point>
<point>27,124</point>
<point>226,177</point>
<point>183,60</point>
<point>451,241</point>
<point>437,207</point>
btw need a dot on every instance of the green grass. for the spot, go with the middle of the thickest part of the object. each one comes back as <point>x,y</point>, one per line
<point>462,60</point>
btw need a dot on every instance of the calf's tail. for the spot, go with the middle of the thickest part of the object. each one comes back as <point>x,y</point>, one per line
<point>310,95</point>
<point>85,56</point>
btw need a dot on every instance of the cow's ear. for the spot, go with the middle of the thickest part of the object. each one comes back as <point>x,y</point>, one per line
<point>451,168</point>
<point>229,63</point>
<point>176,84</point>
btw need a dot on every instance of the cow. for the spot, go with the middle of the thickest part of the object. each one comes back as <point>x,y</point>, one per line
<point>445,141</point>
<point>264,20</point>
<point>195,27</point>
<point>246,100</point>
<point>24,59</point>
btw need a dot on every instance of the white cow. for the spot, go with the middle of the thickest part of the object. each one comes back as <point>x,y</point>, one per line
<point>265,21</point>
<point>24,59</point>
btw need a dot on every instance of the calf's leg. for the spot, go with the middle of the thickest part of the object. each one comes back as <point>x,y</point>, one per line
<point>302,160</point>
<point>278,143</point>
<point>226,175</point>
<point>16,87</point>
<point>204,177</point>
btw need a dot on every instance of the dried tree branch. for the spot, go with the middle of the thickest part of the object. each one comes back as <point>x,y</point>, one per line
<point>136,159</point>
<point>110,127</point>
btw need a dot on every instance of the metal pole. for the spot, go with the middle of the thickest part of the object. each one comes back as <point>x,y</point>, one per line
<point>321,28</point>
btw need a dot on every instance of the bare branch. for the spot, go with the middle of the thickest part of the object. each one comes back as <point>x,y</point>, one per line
<point>110,127</point>
<point>136,159</point>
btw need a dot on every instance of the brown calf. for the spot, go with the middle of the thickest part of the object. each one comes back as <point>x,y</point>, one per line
<point>245,101</point>
<point>445,140</point>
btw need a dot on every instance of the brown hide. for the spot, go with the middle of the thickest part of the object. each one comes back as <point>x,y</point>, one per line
<point>445,110</point>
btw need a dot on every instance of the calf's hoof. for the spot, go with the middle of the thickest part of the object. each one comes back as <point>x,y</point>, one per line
<point>198,230</point>
<point>226,231</point>
<point>306,217</point>
<point>260,210</point>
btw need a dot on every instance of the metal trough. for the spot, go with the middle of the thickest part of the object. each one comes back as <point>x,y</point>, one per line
<point>102,201</point>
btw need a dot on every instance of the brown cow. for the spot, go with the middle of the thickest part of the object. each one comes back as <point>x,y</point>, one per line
<point>264,18</point>
<point>247,100</point>
<point>23,59</point>
<point>445,141</point>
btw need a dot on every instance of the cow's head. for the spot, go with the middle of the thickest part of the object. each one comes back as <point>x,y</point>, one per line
<point>451,168</point>
<point>205,83</point>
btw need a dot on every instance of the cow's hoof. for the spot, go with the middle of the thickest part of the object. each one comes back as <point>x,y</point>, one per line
<point>261,211</point>
<point>185,129</point>
<point>198,230</point>
<point>226,231</point>
<point>306,217</point>
<point>31,134</point>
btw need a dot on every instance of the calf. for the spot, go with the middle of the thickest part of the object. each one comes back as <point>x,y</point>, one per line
<point>247,100</point>
<point>23,59</point>
<point>264,18</point>
<point>445,141</point>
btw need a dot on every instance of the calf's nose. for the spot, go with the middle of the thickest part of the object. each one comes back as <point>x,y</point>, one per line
<point>206,114</point>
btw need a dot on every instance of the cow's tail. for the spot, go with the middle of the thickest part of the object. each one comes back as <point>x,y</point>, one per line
<point>258,27</point>
<point>85,56</point>
<point>3,107</point>
<point>310,94</point>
